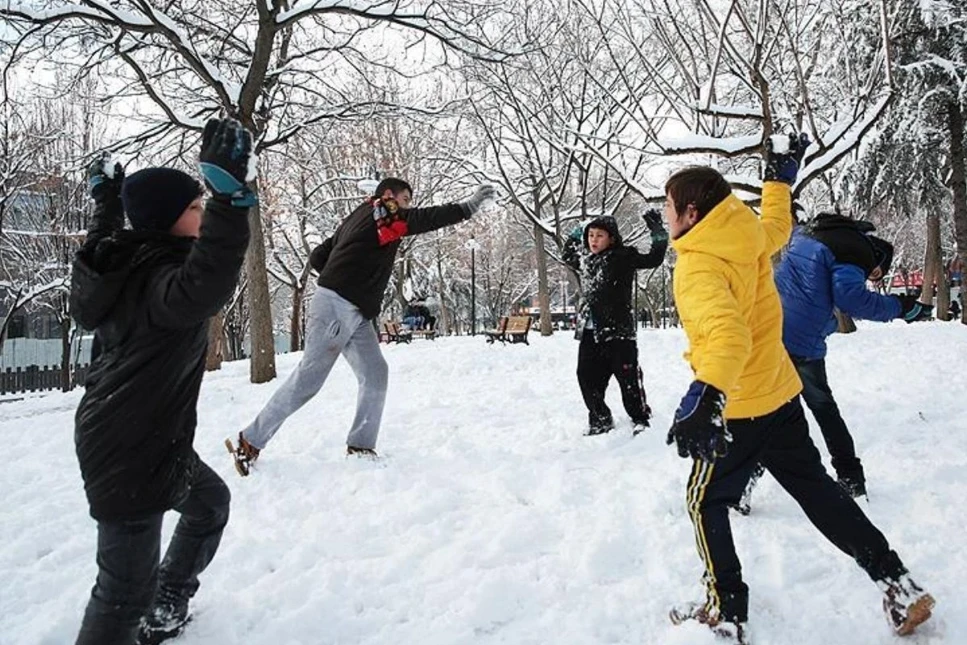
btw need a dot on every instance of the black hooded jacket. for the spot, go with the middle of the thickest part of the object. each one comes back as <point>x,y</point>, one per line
<point>607,278</point>
<point>148,296</point>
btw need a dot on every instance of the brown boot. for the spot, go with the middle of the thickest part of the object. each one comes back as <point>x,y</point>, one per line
<point>906,605</point>
<point>244,456</point>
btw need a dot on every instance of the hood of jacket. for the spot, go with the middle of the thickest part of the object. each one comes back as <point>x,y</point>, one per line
<point>100,274</point>
<point>730,231</point>
<point>609,224</point>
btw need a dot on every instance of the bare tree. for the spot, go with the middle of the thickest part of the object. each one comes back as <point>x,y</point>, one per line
<point>276,66</point>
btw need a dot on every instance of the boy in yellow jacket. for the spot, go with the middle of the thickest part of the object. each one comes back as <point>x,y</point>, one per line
<point>743,406</point>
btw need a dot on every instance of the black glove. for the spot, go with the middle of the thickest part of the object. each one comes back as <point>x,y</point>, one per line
<point>655,223</point>
<point>226,152</point>
<point>912,310</point>
<point>105,179</point>
<point>784,166</point>
<point>483,194</point>
<point>699,428</point>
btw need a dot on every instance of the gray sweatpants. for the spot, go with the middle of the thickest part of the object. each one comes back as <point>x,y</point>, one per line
<point>335,326</point>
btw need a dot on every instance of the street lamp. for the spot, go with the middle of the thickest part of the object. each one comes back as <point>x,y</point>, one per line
<point>473,246</point>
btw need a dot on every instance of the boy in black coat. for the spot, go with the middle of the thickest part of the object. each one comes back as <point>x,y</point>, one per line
<point>607,333</point>
<point>148,294</point>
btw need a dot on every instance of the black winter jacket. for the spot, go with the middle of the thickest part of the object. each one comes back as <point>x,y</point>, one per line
<point>357,261</point>
<point>607,279</point>
<point>148,296</point>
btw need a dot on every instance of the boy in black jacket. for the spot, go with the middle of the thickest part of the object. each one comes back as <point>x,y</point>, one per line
<point>148,294</point>
<point>354,268</point>
<point>608,343</point>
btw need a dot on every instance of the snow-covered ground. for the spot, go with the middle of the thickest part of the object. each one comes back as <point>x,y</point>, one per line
<point>492,520</point>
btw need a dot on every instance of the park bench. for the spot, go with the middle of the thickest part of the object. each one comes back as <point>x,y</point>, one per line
<point>510,329</point>
<point>394,333</point>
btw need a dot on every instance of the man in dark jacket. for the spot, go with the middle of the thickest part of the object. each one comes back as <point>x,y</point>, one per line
<point>354,268</point>
<point>148,294</point>
<point>607,331</point>
<point>826,266</point>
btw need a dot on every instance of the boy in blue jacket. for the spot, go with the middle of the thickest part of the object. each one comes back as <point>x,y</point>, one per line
<point>826,266</point>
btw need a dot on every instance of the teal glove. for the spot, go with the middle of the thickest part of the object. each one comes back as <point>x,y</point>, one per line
<point>104,180</point>
<point>226,150</point>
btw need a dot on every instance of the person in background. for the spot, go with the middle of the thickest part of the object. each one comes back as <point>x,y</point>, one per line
<point>607,331</point>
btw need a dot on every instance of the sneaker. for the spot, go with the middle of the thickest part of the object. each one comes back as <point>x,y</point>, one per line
<point>854,486</point>
<point>244,456</point>
<point>362,453</point>
<point>167,619</point>
<point>733,632</point>
<point>905,603</point>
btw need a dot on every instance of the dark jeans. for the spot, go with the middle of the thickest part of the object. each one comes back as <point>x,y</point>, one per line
<point>780,442</point>
<point>129,575</point>
<point>597,363</point>
<point>819,399</point>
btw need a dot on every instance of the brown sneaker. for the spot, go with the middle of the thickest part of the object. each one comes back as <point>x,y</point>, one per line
<point>906,604</point>
<point>363,453</point>
<point>735,633</point>
<point>244,456</point>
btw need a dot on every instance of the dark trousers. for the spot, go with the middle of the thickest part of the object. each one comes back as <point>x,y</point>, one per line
<point>128,550</point>
<point>597,363</point>
<point>819,399</point>
<point>780,442</point>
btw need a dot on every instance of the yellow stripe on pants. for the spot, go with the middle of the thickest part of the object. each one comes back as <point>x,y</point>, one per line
<point>695,494</point>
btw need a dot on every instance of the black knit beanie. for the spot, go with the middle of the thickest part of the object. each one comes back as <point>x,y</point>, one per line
<point>154,198</point>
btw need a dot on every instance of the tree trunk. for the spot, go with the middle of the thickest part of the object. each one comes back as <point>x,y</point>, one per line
<point>65,356</point>
<point>543,295</point>
<point>444,326</point>
<point>958,181</point>
<point>933,270</point>
<point>295,324</point>
<point>216,342</point>
<point>262,361</point>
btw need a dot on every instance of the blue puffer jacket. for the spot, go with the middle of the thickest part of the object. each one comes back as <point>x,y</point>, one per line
<point>811,282</point>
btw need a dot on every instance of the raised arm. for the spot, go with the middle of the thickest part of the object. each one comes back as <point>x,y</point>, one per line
<point>783,157</point>
<point>571,252</point>
<point>104,179</point>
<point>659,243</point>
<point>197,289</point>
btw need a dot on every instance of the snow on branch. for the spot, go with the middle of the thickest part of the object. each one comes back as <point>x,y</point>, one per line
<point>699,143</point>
<point>731,111</point>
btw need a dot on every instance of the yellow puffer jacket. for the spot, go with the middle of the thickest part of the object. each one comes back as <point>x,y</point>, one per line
<point>729,306</point>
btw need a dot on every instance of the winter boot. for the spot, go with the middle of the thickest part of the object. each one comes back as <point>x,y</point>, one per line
<point>731,632</point>
<point>166,619</point>
<point>599,428</point>
<point>244,456</point>
<point>362,453</point>
<point>905,603</point>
